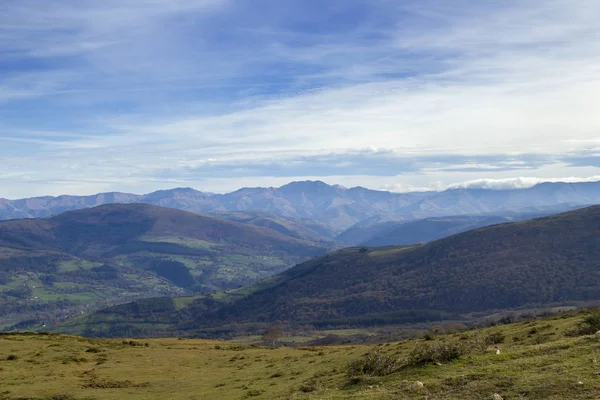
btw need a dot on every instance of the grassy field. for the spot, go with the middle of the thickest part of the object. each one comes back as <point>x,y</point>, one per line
<point>537,361</point>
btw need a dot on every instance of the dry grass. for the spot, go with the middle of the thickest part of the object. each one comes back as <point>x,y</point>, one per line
<point>537,361</point>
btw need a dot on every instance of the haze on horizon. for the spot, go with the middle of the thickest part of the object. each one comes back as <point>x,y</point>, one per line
<point>140,95</point>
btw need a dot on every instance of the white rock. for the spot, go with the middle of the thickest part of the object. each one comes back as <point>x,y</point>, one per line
<point>417,385</point>
<point>496,396</point>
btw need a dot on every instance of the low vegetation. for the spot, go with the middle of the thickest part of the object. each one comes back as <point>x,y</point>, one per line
<point>529,359</point>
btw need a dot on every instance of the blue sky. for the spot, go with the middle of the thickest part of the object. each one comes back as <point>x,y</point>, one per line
<point>139,95</point>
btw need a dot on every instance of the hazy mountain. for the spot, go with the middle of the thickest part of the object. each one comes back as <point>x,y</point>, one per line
<point>550,260</point>
<point>116,252</point>
<point>391,233</point>
<point>337,207</point>
<point>426,230</point>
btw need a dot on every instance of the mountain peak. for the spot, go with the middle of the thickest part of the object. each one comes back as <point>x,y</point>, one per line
<point>306,184</point>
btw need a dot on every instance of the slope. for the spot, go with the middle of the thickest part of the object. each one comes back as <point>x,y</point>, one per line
<point>112,253</point>
<point>430,229</point>
<point>300,228</point>
<point>539,359</point>
<point>389,233</point>
<point>541,262</point>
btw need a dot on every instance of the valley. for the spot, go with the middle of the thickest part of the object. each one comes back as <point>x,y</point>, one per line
<point>543,262</point>
<point>83,260</point>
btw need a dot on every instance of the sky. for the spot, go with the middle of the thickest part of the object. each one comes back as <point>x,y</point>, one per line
<point>140,95</point>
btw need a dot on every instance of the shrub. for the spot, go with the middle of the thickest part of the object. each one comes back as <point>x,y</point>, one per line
<point>589,326</point>
<point>12,357</point>
<point>93,350</point>
<point>372,364</point>
<point>495,338</point>
<point>254,393</point>
<point>312,385</point>
<point>429,353</point>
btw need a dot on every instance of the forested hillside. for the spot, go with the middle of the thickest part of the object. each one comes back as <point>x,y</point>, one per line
<point>542,262</point>
<point>111,254</point>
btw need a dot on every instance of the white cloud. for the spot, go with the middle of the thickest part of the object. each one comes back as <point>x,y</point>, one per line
<point>516,183</point>
<point>456,92</point>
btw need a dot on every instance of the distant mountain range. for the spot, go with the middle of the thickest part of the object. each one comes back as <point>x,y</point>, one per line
<point>536,263</point>
<point>113,253</point>
<point>393,233</point>
<point>335,207</point>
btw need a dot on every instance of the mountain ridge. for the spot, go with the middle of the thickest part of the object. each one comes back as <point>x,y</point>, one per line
<point>335,205</point>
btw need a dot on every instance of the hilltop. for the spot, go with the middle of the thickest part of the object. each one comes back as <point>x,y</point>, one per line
<point>536,263</point>
<point>79,260</point>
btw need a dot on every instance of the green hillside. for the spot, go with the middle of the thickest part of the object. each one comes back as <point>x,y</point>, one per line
<point>80,260</point>
<point>300,228</point>
<point>537,263</point>
<point>550,359</point>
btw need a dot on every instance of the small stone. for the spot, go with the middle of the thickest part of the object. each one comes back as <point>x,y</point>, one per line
<point>496,396</point>
<point>439,364</point>
<point>580,383</point>
<point>596,372</point>
<point>417,385</point>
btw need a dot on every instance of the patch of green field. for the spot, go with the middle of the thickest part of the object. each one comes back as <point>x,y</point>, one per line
<point>348,332</point>
<point>181,302</point>
<point>389,251</point>
<point>189,262</point>
<point>76,264</point>
<point>537,361</point>
<point>187,242</point>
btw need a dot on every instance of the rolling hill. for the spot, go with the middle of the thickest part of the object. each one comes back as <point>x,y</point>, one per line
<point>337,207</point>
<point>536,263</point>
<point>109,254</point>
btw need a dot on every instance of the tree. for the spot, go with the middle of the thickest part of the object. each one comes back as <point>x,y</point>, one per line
<point>272,333</point>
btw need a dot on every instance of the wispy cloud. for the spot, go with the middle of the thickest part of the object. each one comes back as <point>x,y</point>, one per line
<point>417,94</point>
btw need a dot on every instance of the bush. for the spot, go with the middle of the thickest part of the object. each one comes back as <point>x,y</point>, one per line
<point>495,338</point>
<point>448,350</point>
<point>312,385</point>
<point>254,393</point>
<point>429,353</point>
<point>12,357</point>
<point>93,350</point>
<point>589,326</point>
<point>372,364</point>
